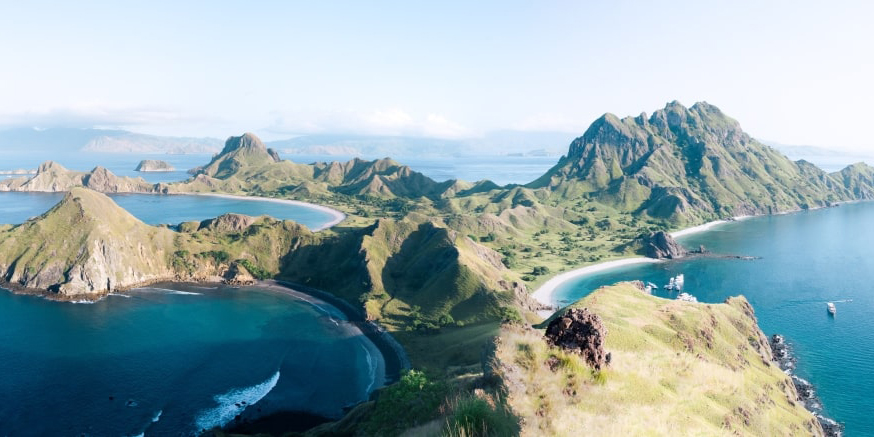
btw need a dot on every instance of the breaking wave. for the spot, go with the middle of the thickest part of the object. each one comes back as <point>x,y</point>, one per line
<point>233,403</point>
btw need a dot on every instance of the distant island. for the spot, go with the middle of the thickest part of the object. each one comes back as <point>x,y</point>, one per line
<point>446,267</point>
<point>154,165</point>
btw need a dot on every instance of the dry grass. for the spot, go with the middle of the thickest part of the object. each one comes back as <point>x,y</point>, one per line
<point>677,368</point>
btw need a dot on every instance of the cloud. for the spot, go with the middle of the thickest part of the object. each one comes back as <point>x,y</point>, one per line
<point>96,117</point>
<point>392,121</point>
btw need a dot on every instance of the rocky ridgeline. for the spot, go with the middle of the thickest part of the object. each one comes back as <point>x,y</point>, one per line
<point>582,332</point>
<point>786,360</point>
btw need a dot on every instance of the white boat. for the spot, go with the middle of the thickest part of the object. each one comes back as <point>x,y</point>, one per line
<point>676,283</point>
<point>831,308</point>
<point>686,297</point>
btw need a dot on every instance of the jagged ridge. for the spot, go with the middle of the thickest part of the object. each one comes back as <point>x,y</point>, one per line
<point>689,165</point>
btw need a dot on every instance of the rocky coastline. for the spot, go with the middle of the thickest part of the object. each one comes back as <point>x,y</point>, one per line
<point>787,361</point>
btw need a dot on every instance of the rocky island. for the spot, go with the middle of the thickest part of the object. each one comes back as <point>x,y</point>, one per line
<point>154,165</point>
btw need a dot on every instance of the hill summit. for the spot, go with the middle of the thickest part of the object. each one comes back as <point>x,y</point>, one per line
<point>86,244</point>
<point>239,152</point>
<point>688,165</point>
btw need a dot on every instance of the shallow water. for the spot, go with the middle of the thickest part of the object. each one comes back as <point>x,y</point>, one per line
<point>808,259</point>
<point>174,358</point>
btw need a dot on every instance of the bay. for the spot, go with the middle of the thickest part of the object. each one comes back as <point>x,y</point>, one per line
<point>807,259</point>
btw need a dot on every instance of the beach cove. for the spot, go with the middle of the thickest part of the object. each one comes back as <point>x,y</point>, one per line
<point>807,259</point>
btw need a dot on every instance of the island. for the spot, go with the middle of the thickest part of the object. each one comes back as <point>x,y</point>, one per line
<point>447,267</point>
<point>154,165</point>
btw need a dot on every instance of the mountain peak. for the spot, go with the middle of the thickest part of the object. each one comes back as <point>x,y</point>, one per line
<point>82,202</point>
<point>48,166</point>
<point>246,150</point>
<point>247,141</point>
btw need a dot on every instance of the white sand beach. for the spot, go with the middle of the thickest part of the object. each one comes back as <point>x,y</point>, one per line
<point>337,216</point>
<point>545,292</point>
<point>706,226</point>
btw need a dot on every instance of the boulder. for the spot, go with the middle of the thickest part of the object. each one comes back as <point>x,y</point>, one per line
<point>582,332</point>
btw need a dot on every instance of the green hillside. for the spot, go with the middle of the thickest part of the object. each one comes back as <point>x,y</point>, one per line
<point>685,166</point>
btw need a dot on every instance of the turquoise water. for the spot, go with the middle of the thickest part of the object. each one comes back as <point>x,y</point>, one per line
<point>174,359</point>
<point>808,259</point>
<point>169,209</point>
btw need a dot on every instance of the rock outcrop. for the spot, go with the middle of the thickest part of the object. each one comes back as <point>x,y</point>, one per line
<point>228,223</point>
<point>238,275</point>
<point>661,245</point>
<point>581,332</point>
<point>155,165</point>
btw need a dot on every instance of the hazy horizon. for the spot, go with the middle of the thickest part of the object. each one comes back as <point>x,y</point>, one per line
<point>792,73</point>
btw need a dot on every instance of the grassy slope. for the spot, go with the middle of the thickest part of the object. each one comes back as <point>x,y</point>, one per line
<point>704,369</point>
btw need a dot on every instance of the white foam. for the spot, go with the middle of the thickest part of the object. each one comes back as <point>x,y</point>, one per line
<point>157,416</point>
<point>371,364</point>
<point>169,291</point>
<point>231,403</point>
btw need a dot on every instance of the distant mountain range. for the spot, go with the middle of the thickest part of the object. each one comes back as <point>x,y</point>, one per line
<point>66,140</point>
<point>494,143</point>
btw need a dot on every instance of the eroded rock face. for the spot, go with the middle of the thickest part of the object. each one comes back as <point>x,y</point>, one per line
<point>661,245</point>
<point>274,154</point>
<point>582,332</point>
<point>238,275</point>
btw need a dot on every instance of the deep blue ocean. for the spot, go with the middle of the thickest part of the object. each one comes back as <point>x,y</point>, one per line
<point>808,259</point>
<point>174,359</point>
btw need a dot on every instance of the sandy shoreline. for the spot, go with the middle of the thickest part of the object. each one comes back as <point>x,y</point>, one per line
<point>336,216</point>
<point>544,294</point>
<point>706,226</point>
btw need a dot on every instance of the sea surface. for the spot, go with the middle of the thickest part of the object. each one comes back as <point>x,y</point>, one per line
<point>173,359</point>
<point>808,259</point>
<point>16,207</point>
<point>499,169</point>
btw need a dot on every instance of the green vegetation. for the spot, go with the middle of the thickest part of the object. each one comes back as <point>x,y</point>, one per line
<point>412,401</point>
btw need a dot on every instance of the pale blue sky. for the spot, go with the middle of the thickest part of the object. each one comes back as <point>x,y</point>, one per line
<point>793,72</point>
